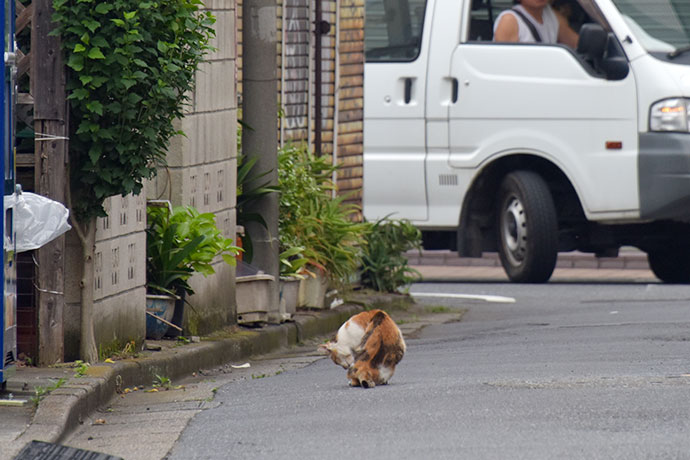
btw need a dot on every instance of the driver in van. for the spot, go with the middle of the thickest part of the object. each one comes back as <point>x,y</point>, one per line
<point>534,21</point>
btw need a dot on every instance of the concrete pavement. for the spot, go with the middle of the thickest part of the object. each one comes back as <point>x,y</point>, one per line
<point>61,410</point>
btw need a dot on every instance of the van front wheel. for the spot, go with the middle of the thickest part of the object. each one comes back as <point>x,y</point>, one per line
<point>527,228</point>
<point>670,264</point>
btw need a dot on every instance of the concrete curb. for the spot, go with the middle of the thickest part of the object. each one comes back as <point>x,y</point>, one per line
<point>628,258</point>
<point>64,409</point>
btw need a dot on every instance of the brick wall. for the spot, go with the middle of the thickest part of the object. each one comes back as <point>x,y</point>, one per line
<point>342,82</point>
<point>351,98</point>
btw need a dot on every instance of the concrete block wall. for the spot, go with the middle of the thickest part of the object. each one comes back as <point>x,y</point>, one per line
<point>202,167</point>
<point>119,277</point>
<point>201,172</point>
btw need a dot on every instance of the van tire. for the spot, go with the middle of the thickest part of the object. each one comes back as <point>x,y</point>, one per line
<point>670,264</point>
<point>527,228</point>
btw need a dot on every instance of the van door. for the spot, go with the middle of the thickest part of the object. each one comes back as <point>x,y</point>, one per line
<point>545,101</point>
<point>394,93</point>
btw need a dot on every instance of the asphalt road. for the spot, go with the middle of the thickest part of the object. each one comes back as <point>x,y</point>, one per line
<point>565,371</point>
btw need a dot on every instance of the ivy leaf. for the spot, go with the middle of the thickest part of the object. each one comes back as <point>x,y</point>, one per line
<point>130,15</point>
<point>95,53</point>
<point>99,41</point>
<point>127,83</point>
<point>85,79</point>
<point>114,107</point>
<point>106,133</point>
<point>133,98</point>
<point>99,190</point>
<point>83,127</point>
<point>118,22</point>
<point>79,94</point>
<point>91,24</point>
<point>78,48</point>
<point>162,46</point>
<point>76,62</point>
<point>103,8</point>
<point>95,153</point>
<point>98,81</point>
<point>95,107</point>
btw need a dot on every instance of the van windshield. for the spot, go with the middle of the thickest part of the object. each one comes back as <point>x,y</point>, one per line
<point>661,26</point>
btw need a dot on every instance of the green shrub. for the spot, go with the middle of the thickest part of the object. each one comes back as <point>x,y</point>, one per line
<point>131,68</point>
<point>384,265</point>
<point>181,243</point>
<point>310,216</point>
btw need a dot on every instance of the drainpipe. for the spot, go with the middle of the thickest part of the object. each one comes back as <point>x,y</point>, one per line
<point>321,28</point>
<point>336,111</point>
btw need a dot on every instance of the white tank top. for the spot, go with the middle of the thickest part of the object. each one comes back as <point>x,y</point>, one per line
<point>548,30</point>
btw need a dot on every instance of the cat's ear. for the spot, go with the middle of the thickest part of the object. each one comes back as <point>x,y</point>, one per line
<point>326,347</point>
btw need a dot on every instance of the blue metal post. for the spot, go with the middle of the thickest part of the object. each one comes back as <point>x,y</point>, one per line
<point>8,316</point>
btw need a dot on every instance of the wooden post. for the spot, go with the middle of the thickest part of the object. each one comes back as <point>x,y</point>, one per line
<point>51,155</point>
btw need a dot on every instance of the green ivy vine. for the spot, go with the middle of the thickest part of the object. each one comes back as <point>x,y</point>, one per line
<point>131,67</point>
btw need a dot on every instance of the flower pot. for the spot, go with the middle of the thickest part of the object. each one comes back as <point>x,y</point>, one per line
<point>158,306</point>
<point>177,317</point>
<point>289,294</point>
<point>252,294</point>
<point>312,291</point>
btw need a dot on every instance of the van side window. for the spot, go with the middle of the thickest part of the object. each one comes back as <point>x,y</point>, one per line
<point>393,30</point>
<point>482,16</point>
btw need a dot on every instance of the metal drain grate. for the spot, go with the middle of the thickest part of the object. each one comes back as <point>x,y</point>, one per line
<point>39,450</point>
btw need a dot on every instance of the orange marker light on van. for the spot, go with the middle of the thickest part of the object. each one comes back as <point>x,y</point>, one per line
<point>679,109</point>
<point>614,145</point>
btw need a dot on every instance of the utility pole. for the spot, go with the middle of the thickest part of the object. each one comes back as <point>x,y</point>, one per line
<point>260,113</point>
<point>50,123</point>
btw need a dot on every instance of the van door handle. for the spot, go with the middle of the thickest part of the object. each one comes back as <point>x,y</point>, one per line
<point>454,90</point>
<point>408,90</point>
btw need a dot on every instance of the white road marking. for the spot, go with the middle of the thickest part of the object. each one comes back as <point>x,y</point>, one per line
<point>486,298</point>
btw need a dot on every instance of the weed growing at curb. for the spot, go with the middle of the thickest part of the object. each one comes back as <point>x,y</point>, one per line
<point>42,392</point>
<point>81,367</point>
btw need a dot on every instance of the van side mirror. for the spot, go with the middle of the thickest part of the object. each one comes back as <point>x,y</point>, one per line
<point>601,50</point>
<point>615,64</point>
<point>592,43</point>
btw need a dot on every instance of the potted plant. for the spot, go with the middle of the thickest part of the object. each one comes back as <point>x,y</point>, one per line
<point>312,218</point>
<point>291,273</point>
<point>179,243</point>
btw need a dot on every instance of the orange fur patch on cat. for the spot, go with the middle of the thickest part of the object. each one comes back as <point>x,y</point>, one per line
<point>369,345</point>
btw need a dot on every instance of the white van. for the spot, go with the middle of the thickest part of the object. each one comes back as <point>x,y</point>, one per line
<point>532,149</point>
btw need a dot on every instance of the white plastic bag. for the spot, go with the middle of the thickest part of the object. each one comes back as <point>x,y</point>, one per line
<point>38,220</point>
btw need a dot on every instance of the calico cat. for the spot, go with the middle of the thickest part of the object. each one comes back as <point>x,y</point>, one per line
<point>369,345</point>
